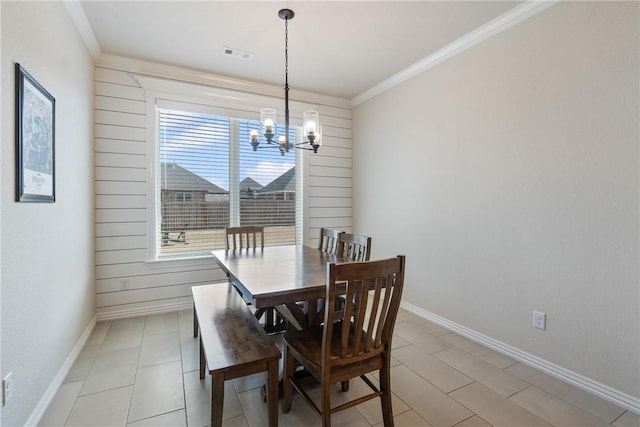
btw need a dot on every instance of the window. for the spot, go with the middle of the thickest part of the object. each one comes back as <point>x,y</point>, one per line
<point>208,177</point>
<point>184,197</point>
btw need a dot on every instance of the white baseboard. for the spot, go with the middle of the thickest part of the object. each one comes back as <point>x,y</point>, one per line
<point>123,313</point>
<point>612,395</point>
<point>48,396</point>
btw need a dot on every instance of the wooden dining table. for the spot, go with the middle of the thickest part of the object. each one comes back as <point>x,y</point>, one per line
<point>282,277</point>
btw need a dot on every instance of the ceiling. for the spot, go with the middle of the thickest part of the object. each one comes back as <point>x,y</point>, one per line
<point>339,48</point>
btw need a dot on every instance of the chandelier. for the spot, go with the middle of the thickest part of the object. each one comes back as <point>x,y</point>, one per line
<point>310,119</point>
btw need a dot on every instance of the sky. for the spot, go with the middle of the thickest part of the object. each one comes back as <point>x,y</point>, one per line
<point>200,143</point>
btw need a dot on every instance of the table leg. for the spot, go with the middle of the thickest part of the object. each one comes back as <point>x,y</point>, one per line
<point>293,315</point>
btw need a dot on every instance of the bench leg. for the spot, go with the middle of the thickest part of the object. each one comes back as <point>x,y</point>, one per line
<point>272,393</point>
<point>203,362</point>
<point>195,321</point>
<point>217,399</point>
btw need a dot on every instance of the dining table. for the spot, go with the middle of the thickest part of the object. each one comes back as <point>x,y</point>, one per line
<point>290,278</point>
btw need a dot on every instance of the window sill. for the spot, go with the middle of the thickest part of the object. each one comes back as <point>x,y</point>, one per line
<point>199,260</point>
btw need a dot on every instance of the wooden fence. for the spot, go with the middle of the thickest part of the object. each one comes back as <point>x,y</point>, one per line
<point>210,215</point>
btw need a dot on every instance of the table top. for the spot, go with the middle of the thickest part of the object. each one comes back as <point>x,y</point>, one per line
<point>278,275</point>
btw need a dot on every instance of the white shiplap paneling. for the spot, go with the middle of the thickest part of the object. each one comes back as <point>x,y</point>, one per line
<point>125,283</point>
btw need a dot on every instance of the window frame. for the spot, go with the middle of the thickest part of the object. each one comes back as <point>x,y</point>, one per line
<point>208,100</point>
<point>183,198</point>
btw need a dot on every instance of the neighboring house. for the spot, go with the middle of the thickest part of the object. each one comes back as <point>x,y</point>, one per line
<point>190,201</point>
<point>181,185</point>
<point>281,188</point>
<point>248,188</point>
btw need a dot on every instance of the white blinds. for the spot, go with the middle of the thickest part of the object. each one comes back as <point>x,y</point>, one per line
<point>210,178</point>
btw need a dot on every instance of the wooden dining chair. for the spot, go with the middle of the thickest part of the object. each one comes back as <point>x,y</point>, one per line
<point>329,240</point>
<point>356,247</point>
<point>356,344</point>
<point>244,237</point>
<point>241,237</point>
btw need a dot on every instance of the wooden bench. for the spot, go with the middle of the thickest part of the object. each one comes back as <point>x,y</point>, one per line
<point>232,344</point>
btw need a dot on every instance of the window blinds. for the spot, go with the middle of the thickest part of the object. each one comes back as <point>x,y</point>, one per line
<point>209,178</point>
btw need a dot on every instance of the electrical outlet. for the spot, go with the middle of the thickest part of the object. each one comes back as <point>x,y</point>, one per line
<point>7,388</point>
<point>124,283</point>
<point>539,320</point>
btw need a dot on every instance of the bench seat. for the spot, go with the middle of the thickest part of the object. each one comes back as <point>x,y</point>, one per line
<point>232,344</point>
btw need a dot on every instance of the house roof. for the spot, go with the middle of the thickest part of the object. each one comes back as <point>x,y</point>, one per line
<point>284,183</point>
<point>249,183</point>
<point>176,178</point>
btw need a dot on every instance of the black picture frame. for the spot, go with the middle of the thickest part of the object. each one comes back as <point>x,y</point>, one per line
<point>35,140</point>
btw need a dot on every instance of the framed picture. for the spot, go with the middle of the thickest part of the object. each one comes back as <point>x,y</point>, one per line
<point>35,140</point>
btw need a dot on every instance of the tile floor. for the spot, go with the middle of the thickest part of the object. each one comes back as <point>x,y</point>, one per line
<point>144,372</point>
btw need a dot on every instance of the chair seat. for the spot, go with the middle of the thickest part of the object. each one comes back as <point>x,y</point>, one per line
<point>307,345</point>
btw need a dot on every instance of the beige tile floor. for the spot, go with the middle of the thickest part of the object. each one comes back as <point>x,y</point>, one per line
<point>144,372</point>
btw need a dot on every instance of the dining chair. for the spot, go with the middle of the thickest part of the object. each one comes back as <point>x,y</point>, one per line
<point>356,247</point>
<point>329,243</point>
<point>241,237</point>
<point>329,240</point>
<point>356,344</point>
<point>244,237</point>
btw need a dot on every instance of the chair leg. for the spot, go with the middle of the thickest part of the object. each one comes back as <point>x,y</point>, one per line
<point>287,375</point>
<point>268,322</point>
<point>385,398</point>
<point>344,385</point>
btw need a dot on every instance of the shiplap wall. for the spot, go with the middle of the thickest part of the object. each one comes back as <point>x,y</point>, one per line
<point>126,284</point>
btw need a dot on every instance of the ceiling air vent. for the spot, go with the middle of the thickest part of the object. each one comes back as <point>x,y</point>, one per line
<point>237,53</point>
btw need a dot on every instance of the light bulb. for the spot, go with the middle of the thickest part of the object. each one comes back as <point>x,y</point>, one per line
<point>311,126</point>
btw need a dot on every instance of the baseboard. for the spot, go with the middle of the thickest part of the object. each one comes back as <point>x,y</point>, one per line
<point>43,404</point>
<point>123,313</point>
<point>614,396</point>
<point>45,401</point>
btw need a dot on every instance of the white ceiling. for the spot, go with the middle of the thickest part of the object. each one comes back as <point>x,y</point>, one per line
<point>339,48</point>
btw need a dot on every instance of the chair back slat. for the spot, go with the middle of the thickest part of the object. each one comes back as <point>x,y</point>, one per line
<point>355,247</point>
<point>329,240</point>
<point>360,313</point>
<point>385,310</point>
<point>374,339</point>
<point>372,290</point>
<point>243,237</point>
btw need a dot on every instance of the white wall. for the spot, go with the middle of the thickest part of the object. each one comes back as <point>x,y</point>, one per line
<point>509,176</point>
<point>121,199</point>
<point>48,286</point>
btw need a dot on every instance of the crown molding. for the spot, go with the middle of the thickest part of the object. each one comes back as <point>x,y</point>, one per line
<point>491,28</point>
<point>79,18</point>
<point>141,67</point>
